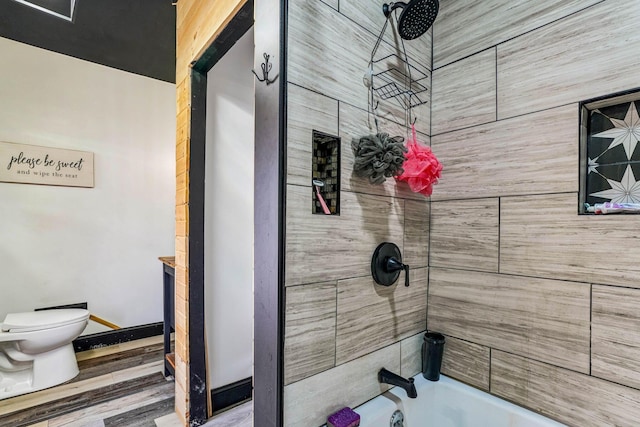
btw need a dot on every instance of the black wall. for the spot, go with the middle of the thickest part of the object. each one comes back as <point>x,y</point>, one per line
<point>138,36</point>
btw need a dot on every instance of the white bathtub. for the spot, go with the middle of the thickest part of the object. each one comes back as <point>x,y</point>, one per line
<point>448,403</point>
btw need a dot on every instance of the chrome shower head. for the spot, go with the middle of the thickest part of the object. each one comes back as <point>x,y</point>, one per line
<point>416,18</point>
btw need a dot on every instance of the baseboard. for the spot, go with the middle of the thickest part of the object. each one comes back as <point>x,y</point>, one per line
<point>231,394</point>
<point>57,307</point>
<point>105,339</point>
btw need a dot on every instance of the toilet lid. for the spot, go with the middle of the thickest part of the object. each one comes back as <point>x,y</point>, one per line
<point>45,319</point>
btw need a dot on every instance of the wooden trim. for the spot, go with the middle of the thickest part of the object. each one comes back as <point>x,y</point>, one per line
<point>237,27</point>
<point>269,243</point>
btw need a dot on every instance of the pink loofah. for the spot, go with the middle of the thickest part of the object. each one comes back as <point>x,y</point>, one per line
<point>421,167</point>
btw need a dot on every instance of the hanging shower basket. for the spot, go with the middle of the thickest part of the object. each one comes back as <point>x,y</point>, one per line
<point>393,77</point>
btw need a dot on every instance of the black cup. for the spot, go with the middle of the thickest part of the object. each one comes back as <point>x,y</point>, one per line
<point>432,351</point>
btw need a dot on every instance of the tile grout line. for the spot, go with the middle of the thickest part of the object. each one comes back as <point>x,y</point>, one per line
<point>499,231</point>
<point>490,356</point>
<point>335,336</point>
<point>501,119</point>
<point>337,280</point>
<point>519,35</point>
<point>590,329</point>
<point>496,63</point>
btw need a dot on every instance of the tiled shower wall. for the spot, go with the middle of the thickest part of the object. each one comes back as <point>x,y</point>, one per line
<point>341,328</point>
<point>541,306</point>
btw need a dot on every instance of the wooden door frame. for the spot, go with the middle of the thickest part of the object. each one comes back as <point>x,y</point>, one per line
<point>269,213</point>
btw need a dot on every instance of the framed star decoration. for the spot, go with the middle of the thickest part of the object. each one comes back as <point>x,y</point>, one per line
<point>610,156</point>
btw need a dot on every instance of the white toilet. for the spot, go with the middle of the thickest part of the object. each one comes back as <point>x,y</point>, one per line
<point>36,350</point>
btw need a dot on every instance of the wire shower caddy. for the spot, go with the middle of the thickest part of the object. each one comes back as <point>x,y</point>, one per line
<point>393,77</point>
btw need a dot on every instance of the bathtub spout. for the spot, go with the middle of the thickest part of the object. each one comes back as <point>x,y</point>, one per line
<point>388,377</point>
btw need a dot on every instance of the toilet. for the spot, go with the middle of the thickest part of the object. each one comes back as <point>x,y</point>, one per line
<point>36,350</point>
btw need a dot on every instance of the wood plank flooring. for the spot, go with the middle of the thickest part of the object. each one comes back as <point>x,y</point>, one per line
<point>119,385</point>
<point>239,416</point>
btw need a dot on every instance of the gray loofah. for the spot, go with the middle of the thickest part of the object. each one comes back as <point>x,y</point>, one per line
<point>378,157</point>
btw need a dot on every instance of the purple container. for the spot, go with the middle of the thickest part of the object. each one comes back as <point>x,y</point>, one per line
<point>345,417</point>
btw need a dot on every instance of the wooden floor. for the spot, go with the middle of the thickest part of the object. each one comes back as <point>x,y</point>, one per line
<point>120,385</point>
<point>239,416</point>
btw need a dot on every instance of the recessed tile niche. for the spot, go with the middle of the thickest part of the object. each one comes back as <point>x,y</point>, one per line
<point>610,162</point>
<point>325,170</point>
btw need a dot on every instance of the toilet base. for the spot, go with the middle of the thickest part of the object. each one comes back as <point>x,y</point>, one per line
<point>49,369</point>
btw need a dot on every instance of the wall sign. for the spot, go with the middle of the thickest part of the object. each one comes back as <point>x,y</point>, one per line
<point>30,164</point>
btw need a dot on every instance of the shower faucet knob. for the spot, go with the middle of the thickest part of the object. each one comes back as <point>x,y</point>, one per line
<point>386,265</point>
<point>395,265</point>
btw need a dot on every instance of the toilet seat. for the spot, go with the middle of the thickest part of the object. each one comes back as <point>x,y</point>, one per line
<point>45,319</point>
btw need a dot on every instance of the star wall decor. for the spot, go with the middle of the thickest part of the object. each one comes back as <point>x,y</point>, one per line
<point>627,190</point>
<point>625,132</point>
<point>611,162</point>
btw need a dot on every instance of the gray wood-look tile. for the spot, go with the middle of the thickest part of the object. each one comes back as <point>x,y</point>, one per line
<point>323,248</point>
<point>585,55</point>
<point>355,123</point>
<point>333,3</point>
<point>464,234</point>
<point>309,402</point>
<point>137,409</point>
<point>416,233</point>
<point>411,356</point>
<point>93,423</point>
<point>240,416</point>
<point>464,93</point>
<point>81,400</point>
<point>318,60</point>
<point>615,335</point>
<point>371,316</point>
<point>112,381</point>
<point>368,14</point>
<point>136,357</point>
<point>310,330</point>
<point>171,420</point>
<point>558,243</point>
<point>467,362</point>
<point>570,397</point>
<point>306,111</point>
<point>124,347</point>
<point>547,320</point>
<point>143,416</point>
<point>532,154</point>
<point>70,390</point>
<point>464,28</point>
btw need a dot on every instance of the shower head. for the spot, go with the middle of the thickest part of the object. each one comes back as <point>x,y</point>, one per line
<point>416,18</point>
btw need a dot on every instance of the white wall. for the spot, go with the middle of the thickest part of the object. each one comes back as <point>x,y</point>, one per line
<point>61,245</point>
<point>229,215</point>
